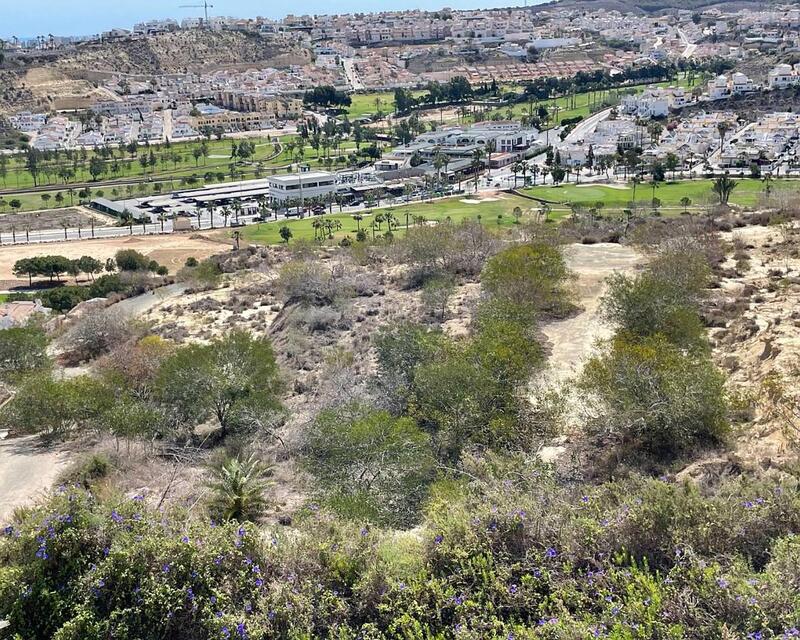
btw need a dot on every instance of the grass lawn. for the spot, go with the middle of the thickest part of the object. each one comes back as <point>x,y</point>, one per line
<point>218,159</point>
<point>582,104</point>
<point>171,176</point>
<point>454,208</point>
<point>365,103</point>
<point>748,192</point>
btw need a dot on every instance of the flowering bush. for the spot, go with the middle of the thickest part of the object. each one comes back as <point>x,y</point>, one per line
<point>510,555</point>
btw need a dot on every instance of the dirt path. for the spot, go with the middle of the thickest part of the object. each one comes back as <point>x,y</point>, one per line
<point>572,339</point>
<point>26,470</point>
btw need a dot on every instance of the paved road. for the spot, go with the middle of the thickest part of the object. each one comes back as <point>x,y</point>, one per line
<point>352,74</point>
<point>586,126</point>
<point>690,47</point>
<point>139,305</point>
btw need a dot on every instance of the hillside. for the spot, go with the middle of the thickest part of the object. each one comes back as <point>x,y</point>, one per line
<point>70,81</point>
<point>174,53</point>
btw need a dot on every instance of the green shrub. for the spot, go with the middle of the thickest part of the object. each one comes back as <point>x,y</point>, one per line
<point>132,260</point>
<point>649,393</point>
<point>22,350</point>
<point>509,552</point>
<point>64,298</point>
<point>529,274</point>
<point>370,465</point>
<point>88,470</point>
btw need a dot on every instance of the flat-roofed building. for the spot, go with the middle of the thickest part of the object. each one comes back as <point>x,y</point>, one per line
<point>301,186</point>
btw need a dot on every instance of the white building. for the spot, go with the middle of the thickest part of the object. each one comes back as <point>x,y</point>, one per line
<point>301,186</point>
<point>783,76</point>
<point>723,87</point>
<point>28,122</point>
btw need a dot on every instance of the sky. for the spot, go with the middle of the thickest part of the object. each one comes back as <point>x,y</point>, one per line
<point>27,18</point>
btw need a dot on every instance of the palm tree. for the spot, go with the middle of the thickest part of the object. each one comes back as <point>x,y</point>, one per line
<point>438,163</point>
<point>654,186</point>
<point>636,180</point>
<point>237,488</point>
<point>477,164</point>
<point>127,219</point>
<point>515,169</point>
<point>723,187</point>
<point>491,147</point>
<point>210,208</point>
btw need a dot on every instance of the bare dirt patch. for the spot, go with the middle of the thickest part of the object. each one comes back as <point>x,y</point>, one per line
<point>49,219</point>
<point>572,339</point>
<point>26,470</point>
<point>171,250</point>
<point>761,340</point>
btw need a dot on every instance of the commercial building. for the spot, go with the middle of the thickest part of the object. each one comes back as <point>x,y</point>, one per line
<point>301,186</point>
<point>233,120</point>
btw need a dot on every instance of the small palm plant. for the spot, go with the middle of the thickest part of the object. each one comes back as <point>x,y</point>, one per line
<point>237,488</point>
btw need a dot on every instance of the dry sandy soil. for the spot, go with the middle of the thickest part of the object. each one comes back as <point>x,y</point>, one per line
<point>763,341</point>
<point>50,219</point>
<point>171,250</point>
<point>26,470</point>
<point>572,339</point>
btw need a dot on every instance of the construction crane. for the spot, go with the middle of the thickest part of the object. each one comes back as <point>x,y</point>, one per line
<point>205,6</point>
